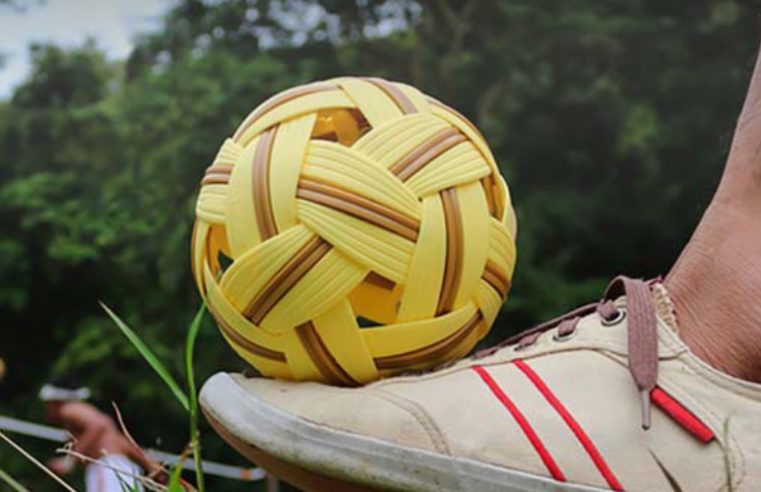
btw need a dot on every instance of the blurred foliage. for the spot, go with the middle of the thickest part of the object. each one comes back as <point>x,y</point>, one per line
<point>610,120</point>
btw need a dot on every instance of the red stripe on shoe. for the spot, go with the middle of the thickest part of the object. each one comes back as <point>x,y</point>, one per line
<point>682,416</point>
<point>572,424</point>
<point>525,426</point>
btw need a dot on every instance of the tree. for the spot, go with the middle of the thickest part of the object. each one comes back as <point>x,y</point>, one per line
<point>609,119</point>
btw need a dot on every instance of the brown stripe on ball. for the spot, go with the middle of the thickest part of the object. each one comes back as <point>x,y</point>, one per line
<point>285,278</point>
<point>260,183</point>
<point>321,356</point>
<point>430,352</point>
<point>244,343</point>
<point>496,279</point>
<point>280,100</point>
<point>220,168</point>
<point>360,207</point>
<point>400,98</point>
<point>378,280</point>
<point>462,117</point>
<point>489,183</point>
<point>219,174</point>
<point>454,255</point>
<point>420,156</point>
<point>488,186</point>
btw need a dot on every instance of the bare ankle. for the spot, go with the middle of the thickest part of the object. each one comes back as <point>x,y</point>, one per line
<point>716,284</point>
<point>716,289</point>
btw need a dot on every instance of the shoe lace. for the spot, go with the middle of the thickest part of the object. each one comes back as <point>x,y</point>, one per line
<point>642,332</point>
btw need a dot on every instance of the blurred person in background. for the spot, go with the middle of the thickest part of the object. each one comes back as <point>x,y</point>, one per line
<point>112,462</point>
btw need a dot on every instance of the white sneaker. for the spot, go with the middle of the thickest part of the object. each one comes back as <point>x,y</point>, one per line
<point>563,407</point>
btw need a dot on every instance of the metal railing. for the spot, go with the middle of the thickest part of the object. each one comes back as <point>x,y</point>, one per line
<point>209,467</point>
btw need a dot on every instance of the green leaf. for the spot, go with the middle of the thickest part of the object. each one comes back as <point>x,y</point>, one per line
<point>174,479</point>
<point>150,357</point>
<point>195,441</point>
<point>190,343</point>
<point>126,487</point>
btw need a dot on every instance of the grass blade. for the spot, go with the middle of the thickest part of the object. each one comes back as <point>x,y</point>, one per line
<point>11,482</point>
<point>35,462</point>
<point>174,479</point>
<point>150,357</point>
<point>195,441</point>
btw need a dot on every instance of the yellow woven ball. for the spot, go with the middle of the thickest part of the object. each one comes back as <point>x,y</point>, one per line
<point>351,229</point>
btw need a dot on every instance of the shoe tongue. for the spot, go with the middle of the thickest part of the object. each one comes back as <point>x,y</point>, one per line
<point>664,308</point>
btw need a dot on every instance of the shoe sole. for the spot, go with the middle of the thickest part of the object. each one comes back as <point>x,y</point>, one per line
<point>316,458</point>
<point>299,477</point>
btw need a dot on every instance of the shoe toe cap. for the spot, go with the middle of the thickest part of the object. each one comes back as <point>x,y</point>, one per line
<point>235,401</point>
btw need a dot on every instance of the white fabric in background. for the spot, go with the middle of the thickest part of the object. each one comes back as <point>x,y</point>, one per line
<point>113,473</point>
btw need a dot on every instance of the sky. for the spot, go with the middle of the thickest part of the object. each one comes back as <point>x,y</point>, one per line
<point>112,23</point>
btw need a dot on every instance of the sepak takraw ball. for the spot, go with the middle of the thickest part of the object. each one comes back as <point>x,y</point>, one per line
<point>352,229</point>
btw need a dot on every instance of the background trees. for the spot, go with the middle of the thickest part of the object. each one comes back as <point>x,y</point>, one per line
<point>610,120</point>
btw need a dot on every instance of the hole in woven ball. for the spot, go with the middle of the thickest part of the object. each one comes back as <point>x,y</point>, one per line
<point>344,126</point>
<point>217,250</point>
<point>224,261</point>
<point>367,323</point>
<point>375,301</point>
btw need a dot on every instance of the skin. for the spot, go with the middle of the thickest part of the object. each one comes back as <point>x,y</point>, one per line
<point>716,282</point>
<point>95,434</point>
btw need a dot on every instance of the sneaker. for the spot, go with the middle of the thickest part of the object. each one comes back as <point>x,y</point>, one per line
<point>606,397</point>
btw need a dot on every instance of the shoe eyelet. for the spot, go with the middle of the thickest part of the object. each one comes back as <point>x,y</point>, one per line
<point>617,319</point>
<point>522,348</point>
<point>564,338</point>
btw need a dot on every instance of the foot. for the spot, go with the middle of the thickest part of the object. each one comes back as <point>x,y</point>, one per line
<point>716,284</point>
<point>558,409</point>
